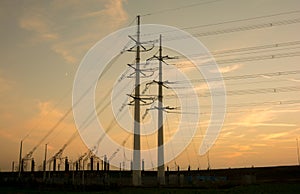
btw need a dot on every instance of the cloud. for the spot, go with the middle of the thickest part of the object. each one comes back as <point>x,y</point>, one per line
<point>206,62</point>
<point>39,25</point>
<point>33,23</point>
<point>293,80</point>
<point>227,69</point>
<point>65,53</point>
<point>186,65</point>
<point>113,11</point>
<point>68,28</point>
<point>285,135</point>
<point>45,108</point>
<point>275,135</point>
<point>41,125</point>
<point>47,115</point>
<point>232,154</point>
<point>262,117</point>
<point>39,118</point>
<point>241,147</point>
<point>256,124</point>
<point>259,145</point>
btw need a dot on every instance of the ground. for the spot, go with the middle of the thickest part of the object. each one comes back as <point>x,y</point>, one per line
<point>256,189</point>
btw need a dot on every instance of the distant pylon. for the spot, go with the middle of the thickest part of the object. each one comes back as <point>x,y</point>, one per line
<point>45,163</point>
<point>20,159</point>
<point>298,151</point>
<point>208,161</point>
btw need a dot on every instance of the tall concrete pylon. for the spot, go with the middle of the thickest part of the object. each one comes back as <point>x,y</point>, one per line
<point>136,172</point>
<point>160,135</point>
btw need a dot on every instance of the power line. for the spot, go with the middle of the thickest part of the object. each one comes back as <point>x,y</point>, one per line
<point>91,116</point>
<point>255,52</point>
<point>47,114</point>
<point>242,50</point>
<point>267,46</point>
<point>242,20</point>
<point>253,104</point>
<point>69,110</point>
<point>261,57</point>
<point>178,8</point>
<point>261,81</point>
<point>89,120</point>
<point>55,126</point>
<point>239,77</point>
<point>245,59</point>
<point>209,113</point>
<point>239,29</point>
<point>231,30</point>
<point>245,83</point>
<point>247,53</point>
<point>243,92</point>
<point>235,21</point>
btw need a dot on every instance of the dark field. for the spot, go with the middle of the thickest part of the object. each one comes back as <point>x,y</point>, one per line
<point>280,179</point>
<point>253,189</point>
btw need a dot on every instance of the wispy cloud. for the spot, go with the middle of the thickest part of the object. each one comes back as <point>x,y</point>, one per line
<point>40,123</point>
<point>113,11</point>
<point>39,25</point>
<point>236,154</point>
<point>287,79</point>
<point>275,135</point>
<point>285,135</point>
<point>241,147</point>
<point>47,114</point>
<point>227,69</point>
<point>232,155</point>
<point>256,124</point>
<point>32,127</point>
<point>186,65</point>
<point>65,53</point>
<point>263,117</point>
<point>293,80</point>
<point>55,24</point>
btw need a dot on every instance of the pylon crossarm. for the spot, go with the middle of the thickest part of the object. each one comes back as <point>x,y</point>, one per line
<point>161,83</point>
<point>169,58</point>
<point>141,45</point>
<point>166,57</point>
<point>139,70</point>
<point>143,99</point>
<point>154,57</point>
<point>137,43</point>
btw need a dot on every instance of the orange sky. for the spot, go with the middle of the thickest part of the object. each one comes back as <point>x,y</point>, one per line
<point>43,43</point>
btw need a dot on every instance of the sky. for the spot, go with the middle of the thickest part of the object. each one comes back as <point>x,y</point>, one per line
<point>43,43</point>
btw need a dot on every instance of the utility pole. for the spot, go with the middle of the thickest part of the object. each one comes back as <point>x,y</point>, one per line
<point>13,166</point>
<point>82,177</point>
<point>208,161</point>
<point>20,158</point>
<point>136,173</point>
<point>298,151</point>
<point>45,163</point>
<point>160,140</point>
